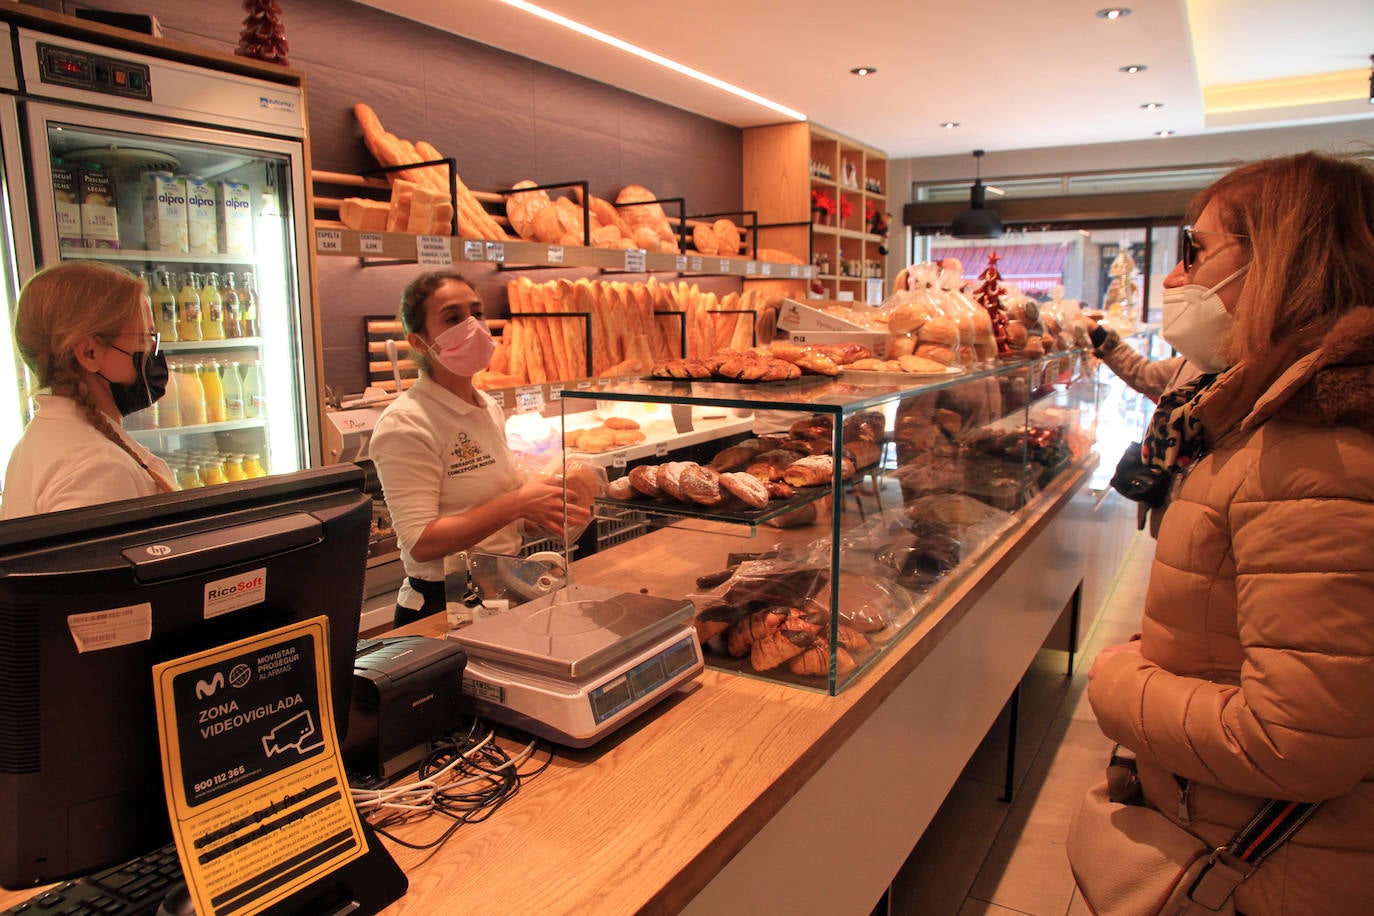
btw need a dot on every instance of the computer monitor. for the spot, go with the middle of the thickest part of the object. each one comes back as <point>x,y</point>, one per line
<point>80,772</point>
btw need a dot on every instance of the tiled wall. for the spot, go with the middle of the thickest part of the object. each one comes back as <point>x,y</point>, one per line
<point>502,117</point>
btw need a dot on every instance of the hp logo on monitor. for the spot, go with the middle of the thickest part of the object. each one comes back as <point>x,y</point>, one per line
<point>159,550</point>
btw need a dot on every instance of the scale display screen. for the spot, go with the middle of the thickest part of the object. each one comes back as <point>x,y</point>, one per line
<point>642,679</point>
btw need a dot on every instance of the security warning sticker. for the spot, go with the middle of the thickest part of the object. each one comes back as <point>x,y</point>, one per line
<point>255,784</point>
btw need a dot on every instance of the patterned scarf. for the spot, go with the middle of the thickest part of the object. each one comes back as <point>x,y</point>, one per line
<point>1174,439</point>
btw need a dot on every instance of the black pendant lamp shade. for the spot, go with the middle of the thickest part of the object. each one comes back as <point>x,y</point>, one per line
<point>977,222</point>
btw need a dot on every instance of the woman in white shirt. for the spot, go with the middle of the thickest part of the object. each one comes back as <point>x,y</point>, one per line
<point>85,330</point>
<point>450,481</point>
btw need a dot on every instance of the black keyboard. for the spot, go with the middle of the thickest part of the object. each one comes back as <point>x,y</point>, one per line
<point>133,888</point>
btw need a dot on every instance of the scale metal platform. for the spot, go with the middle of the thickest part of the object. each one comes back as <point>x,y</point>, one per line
<point>574,665</point>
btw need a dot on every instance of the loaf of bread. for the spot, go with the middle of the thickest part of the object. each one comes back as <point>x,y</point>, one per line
<point>364,215</point>
<point>816,470</point>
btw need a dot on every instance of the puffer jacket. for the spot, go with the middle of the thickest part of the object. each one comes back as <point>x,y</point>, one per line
<point>1255,677</point>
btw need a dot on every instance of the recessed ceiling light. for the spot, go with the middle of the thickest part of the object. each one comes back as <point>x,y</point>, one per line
<point>1113,12</point>
<point>1152,106</point>
<point>864,71</point>
<point>1164,133</point>
<point>1133,68</point>
<point>949,125</point>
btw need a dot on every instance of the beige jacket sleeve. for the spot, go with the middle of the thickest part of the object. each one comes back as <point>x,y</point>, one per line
<point>1150,377</point>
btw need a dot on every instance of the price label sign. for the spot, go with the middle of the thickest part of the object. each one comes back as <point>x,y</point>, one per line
<point>496,252</point>
<point>635,260</point>
<point>794,271</point>
<point>528,399</point>
<point>766,269</point>
<point>499,397</point>
<point>472,251</point>
<point>696,264</point>
<point>370,242</point>
<point>555,255</point>
<point>660,449</point>
<point>584,384</point>
<point>680,262</point>
<point>751,268</point>
<point>617,461</point>
<point>433,250</point>
<point>556,391</point>
<point>328,240</point>
<point>725,265</point>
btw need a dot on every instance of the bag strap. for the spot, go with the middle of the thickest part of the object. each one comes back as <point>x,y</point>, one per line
<point>1231,864</point>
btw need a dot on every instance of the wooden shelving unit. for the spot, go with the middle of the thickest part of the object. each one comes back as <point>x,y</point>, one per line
<point>783,164</point>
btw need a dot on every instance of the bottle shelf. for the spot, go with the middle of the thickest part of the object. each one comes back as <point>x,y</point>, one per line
<point>153,435</point>
<point>167,257</point>
<point>197,346</point>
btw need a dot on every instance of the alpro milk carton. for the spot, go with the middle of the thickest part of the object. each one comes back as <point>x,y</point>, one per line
<point>99,216</point>
<point>202,228</point>
<point>164,212</point>
<point>68,203</point>
<point>234,214</point>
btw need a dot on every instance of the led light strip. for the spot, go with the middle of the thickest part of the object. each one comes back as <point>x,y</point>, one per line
<point>650,56</point>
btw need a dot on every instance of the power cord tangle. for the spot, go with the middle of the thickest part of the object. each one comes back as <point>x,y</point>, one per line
<point>464,777</point>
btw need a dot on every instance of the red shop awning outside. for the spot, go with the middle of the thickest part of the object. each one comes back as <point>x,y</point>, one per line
<point>1037,269</point>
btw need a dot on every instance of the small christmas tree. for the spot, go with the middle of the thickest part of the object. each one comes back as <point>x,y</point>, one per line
<point>263,36</point>
<point>989,296</point>
<point>1123,293</point>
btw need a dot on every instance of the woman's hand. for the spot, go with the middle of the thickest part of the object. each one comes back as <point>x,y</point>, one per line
<point>541,503</point>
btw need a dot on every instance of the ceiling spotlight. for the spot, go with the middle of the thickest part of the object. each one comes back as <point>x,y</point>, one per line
<point>864,71</point>
<point>1133,68</point>
<point>949,125</point>
<point>1164,133</point>
<point>1113,12</point>
<point>1152,106</point>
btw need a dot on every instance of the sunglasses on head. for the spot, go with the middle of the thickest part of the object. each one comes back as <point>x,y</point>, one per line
<point>1187,245</point>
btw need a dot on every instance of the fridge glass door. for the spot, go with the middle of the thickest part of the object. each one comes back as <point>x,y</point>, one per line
<point>212,222</point>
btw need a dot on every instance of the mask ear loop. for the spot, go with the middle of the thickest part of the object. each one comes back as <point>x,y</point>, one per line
<point>1236,273</point>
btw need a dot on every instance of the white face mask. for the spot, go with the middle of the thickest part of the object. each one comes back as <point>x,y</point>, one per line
<point>1196,323</point>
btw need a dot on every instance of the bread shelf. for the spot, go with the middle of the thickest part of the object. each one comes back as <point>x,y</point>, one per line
<point>438,251</point>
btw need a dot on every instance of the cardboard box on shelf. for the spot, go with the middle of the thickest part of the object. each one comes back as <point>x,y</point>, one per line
<point>234,214</point>
<point>823,315</point>
<point>67,200</point>
<point>164,212</point>
<point>202,227</point>
<point>99,217</point>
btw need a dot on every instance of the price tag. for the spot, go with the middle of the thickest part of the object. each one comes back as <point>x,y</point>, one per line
<point>556,391</point>
<point>794,271</point>
<point>680,262</point>
<point>809,271</point>
<point>584,384</point>
<point>635,260</point>
<point>496,252</point>
<point>751,268</point>
<point>433,250</point>
<point>370,242</point>
<point>555,255</point>
<point>472,251</point>
<point>617,461</point>
<point>328,240</point>
<point>696,264</point>
<point>499,397</point>
<point>725,265</point>
<point>660,449</point>
<point>766,268</point>
<point>528,398</point>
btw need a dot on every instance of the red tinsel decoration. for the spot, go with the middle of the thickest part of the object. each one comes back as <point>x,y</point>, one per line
<point>263,36</point>
<point>989,296</point>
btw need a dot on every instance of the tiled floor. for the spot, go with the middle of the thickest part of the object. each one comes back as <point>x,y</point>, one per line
<point>983,856</point>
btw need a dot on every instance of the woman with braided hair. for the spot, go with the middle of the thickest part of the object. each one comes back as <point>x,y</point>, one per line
<point>85,330</point>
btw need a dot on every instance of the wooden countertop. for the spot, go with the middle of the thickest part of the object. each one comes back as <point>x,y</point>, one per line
<point>644,820</point>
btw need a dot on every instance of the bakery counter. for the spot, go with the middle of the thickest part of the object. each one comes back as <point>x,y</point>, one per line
<point>743,795</point>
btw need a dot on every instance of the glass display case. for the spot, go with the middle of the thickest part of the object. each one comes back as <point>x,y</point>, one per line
<point>804,569</point>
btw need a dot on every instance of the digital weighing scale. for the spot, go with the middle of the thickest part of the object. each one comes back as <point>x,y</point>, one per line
<point>574,665</point>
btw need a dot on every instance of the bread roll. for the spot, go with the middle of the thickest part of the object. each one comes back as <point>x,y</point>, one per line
<point>746,488</point>
<point>621,488</point>
<point>863,452</point>
<point>704,238</point>
<point>670,477</point>
<point>908,317</point>
<point>701,485</point>
<point>921,365</point>
<point>627,436</point>
<point>942,331</point>
<point>727,238</point>
<point>816,470</point>
<point>621,423</point>
<point>645,479</point>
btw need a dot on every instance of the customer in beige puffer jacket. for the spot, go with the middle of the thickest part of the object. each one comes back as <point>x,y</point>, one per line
<point>1254,674</point>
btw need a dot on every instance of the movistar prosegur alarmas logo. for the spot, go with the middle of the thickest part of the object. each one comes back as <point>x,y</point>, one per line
<point>288,105</point>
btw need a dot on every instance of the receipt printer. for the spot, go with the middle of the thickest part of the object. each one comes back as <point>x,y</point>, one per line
<point>407,690</point>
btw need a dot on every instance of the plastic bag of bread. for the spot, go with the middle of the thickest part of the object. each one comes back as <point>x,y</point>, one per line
<point>583,482</point>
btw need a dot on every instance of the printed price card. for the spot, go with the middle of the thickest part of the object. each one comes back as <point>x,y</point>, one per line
<point>496,252</point>
<point>680,262</point>
<point>370,242</point>
<point>556,391</point>
<point>328,240</point>
<point>555,255</point>
<point>794,270</point>
<point>433,250</point>
<point>529,398</point>
<point>696,263</point>
<point>751,268</point>
<point>725,265</point>
<point>766,269</point>
<point>618,461</point>
<point>660,449</point>
<point>498,396</point>
<point>635,260</point>
<point>254,780</point>
<point>472,251</point>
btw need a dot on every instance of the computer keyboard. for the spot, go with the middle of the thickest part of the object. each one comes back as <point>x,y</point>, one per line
<point>133,888</point>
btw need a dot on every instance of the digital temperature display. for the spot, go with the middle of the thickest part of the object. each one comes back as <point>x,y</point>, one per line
<point>81,70</point>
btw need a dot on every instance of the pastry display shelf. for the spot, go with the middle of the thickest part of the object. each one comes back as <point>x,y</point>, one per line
<point>138,255</point>
<point>153,435</point>
<point>443,250</point>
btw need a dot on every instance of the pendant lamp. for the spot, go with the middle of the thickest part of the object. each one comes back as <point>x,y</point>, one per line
<point>977,222</point>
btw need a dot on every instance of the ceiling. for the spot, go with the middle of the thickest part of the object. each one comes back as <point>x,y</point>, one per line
<point>1015,74</point>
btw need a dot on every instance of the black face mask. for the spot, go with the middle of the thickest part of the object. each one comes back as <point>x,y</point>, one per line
<point>146,389</point>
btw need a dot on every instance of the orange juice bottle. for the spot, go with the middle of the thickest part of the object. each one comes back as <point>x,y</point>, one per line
<point>213,387</point>
<point>211,308</point>
<point>233,467</point>
<point>164,300</point>
<point>169,405</point>
<point>188,304</point>
<point>212,472</point>
<point>192,395</point>
<point>233,319</point>
<point>188,477</point>
<point>252,466</point>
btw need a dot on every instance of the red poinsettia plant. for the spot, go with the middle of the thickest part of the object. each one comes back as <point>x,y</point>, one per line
<point>846,208</point>
<point>822,202</point>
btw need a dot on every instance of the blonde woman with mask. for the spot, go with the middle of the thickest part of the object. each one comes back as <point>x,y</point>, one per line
<point>85,331</point>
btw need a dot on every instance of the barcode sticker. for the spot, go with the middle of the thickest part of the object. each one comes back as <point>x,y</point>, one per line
<point>120,626</point>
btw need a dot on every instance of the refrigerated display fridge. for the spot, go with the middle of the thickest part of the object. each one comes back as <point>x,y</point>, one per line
<point>194,178</point>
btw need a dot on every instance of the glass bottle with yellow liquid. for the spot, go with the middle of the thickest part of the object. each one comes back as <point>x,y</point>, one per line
<point>212,472</point>
<point>188,305</point>
<point>252,466</point>
<point>233,391</point>
<point>164,300</point>
<point>188,477</point>
<point>233,467</point>
<point>211,308</point>
<point>213,386</point>
<point>248,304</point>
<point>233,305</point>
<point>192,393</point>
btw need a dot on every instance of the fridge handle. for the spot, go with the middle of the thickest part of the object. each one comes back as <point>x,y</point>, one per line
<point>25,263</point>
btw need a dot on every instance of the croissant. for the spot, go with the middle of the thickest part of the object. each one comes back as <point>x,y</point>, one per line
<point>816,470</point>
